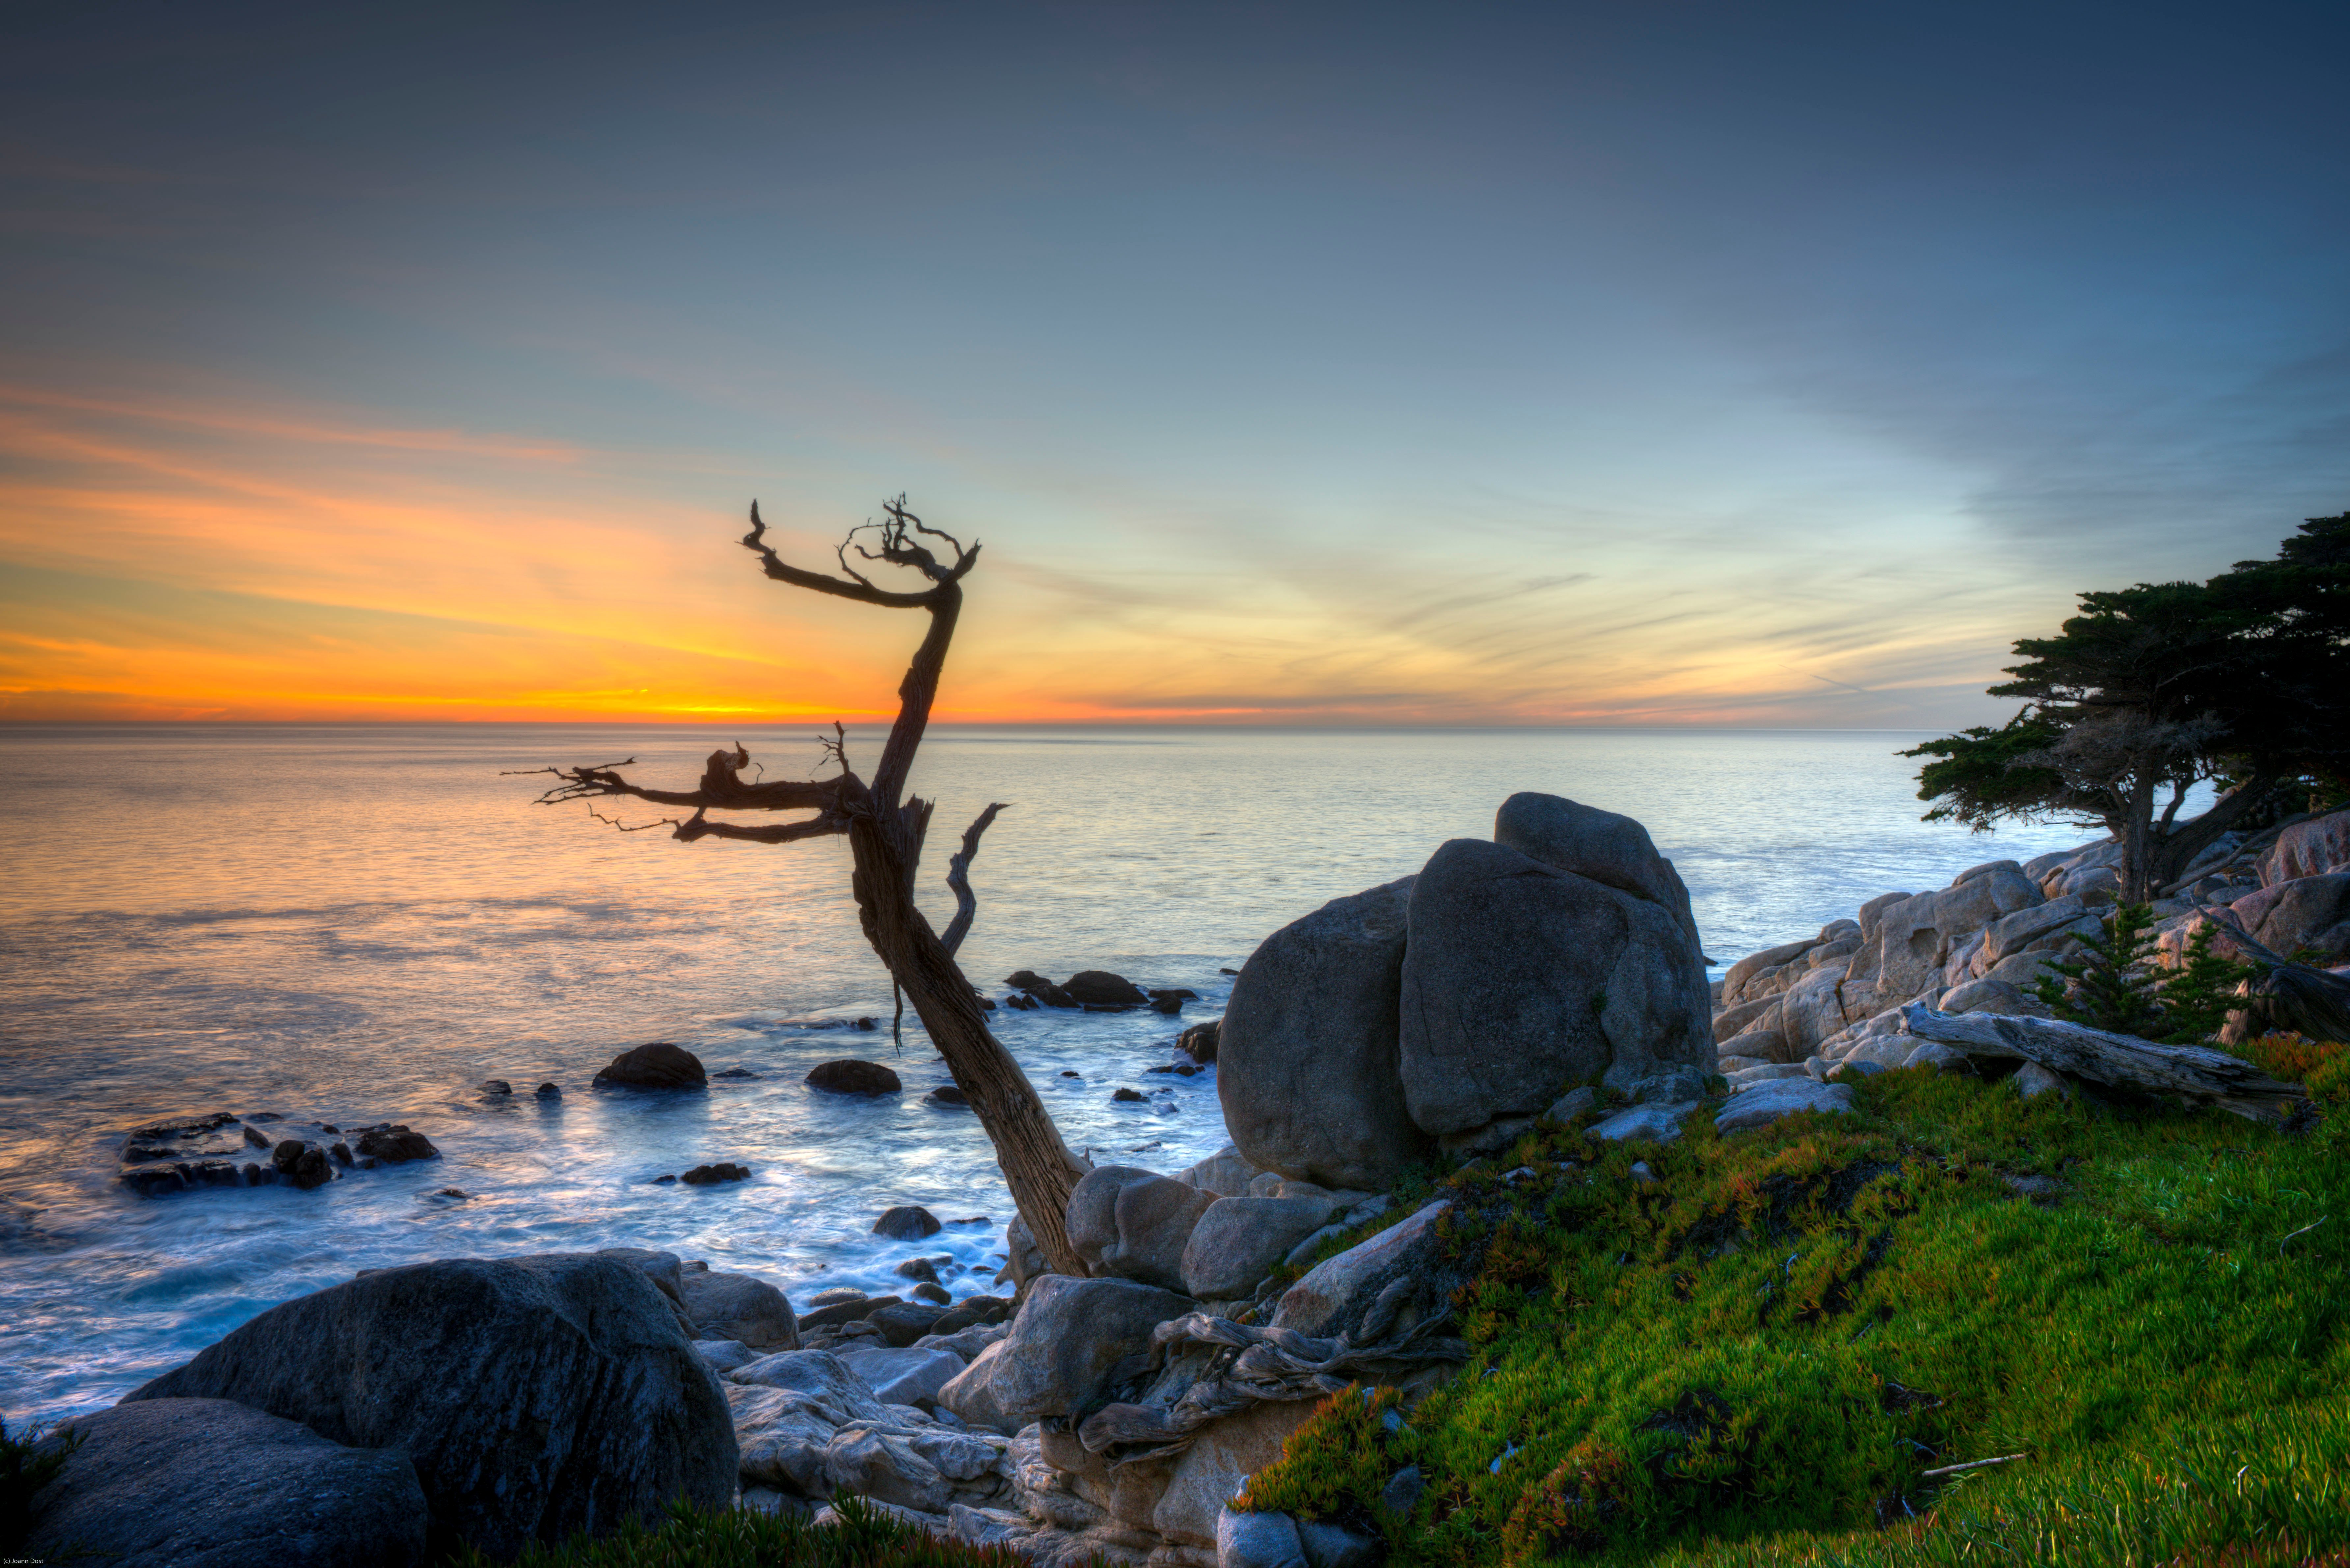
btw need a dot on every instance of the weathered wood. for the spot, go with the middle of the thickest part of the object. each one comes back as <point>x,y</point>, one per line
<point>2122,1061</point>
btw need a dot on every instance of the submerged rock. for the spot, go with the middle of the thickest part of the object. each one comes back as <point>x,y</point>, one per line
<point>712,1175</point>
<point>660,1066</point>
<point>850,1076</point>
<point>1199,1042</point>
<point>907,1222</point>
<point>393,1142</point>
<point>1100,988</point>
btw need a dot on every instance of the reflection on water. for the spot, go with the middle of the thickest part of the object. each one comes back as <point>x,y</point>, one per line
<point>354,925</point>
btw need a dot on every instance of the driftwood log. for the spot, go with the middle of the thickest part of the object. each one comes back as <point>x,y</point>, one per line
<point>2121,1061</point>
<point>885,827</point>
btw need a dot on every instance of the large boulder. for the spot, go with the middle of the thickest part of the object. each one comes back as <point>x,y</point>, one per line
<point>539,1397</point>
<point>1610,849</point>
<point>1519,978</point>
<point>2308,911</point>
<point>1133,1223</point>
<point>740,1307</point>
<point>1911,938</point>
<point>211,1483</point>
<point>1306,1060</point>
<point>2312,848</point>
<point>1237,1242</point>
<point>1063,1341</point>
<point>660,1066</point>
<point>1811,1012</point>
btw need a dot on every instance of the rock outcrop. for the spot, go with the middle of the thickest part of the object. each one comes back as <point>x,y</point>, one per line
<point>539,1398</point>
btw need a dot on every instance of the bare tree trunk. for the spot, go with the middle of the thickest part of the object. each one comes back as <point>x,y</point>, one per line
<point>1036,1164</point>
<point>886,828</point>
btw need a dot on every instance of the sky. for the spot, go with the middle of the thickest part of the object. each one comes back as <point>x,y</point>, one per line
<point>1635,364</point>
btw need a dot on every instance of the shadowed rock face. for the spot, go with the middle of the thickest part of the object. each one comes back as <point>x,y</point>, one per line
<point>1520,977</point>
<point>209,1483</point>
<point>539,1398</point>
<point>1307,1059</point>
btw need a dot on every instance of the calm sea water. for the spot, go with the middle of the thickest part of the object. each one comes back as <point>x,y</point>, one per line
<point>353,925</point>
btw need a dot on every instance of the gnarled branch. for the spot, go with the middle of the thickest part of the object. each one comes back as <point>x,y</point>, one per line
<point>959,878</point>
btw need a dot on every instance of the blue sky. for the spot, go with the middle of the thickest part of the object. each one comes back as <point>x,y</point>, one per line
<point>1632,364</point>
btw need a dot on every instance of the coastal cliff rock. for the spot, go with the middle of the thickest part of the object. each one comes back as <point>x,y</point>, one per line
<point>539,1398</point>
<point>1912,939</point>
<point>1307,1059</point>
<point>211,1483</point>
<point>1519,977</point>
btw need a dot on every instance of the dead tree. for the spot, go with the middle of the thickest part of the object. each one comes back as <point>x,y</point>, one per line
<point>885,827</point>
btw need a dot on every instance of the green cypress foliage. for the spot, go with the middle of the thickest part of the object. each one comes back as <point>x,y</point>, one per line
<point>2195,1000</point>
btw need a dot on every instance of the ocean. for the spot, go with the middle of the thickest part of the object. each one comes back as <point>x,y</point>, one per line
<point>358,924</point>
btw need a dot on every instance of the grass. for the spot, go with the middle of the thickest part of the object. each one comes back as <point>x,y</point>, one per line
<point>1758,1356</point>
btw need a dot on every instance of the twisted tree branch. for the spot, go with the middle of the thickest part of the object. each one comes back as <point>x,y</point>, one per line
<point>959,878</point>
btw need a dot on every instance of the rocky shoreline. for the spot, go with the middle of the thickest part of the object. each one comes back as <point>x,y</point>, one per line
<point>1551,974</point>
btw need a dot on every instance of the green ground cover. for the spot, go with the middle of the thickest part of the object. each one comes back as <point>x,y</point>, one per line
<point>1760,1355</point>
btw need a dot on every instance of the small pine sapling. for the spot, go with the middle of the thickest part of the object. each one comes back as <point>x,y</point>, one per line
<point>2198,997</point>
<point>2108,987</point>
